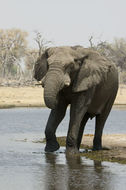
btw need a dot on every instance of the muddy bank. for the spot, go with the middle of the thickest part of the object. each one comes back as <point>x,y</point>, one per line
<point>114,148</point>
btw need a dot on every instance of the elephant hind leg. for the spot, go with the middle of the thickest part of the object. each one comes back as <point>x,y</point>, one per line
<point>100,122</point>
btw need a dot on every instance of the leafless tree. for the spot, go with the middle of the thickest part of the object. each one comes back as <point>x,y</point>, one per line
<point>41,42</point>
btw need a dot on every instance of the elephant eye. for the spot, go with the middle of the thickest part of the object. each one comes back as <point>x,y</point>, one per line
<point>69,67</point>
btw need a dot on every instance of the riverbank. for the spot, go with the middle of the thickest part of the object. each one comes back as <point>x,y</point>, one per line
<point>33,97</point>
<point>114,148</point>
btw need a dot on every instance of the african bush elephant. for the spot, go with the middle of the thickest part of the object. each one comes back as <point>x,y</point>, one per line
<point>82,78</point>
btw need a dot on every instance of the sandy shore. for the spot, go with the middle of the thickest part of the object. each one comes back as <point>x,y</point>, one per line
<point>33,97</point>
<point>108,141</point>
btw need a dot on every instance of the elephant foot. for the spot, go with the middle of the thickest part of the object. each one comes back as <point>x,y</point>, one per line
<point>52,146</point>
<point>96,148</point>
<point>100,148</point>
<point>70,151</point>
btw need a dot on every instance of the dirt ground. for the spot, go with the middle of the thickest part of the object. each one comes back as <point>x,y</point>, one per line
<point>33,96</point>
<point>121,95</point>
<point>21,97</point>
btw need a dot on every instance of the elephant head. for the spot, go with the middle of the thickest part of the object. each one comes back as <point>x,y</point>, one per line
<point>41,67</point>
<point>68,66</point>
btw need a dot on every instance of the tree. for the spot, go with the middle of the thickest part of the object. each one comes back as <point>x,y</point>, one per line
<point>13,45</point>
<point>33,54</point>
<point>30,60</point>
<point>115,52</point>
<point>41,42</point>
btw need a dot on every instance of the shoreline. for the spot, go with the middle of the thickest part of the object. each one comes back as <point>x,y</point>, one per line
<point>11,106</point>
<point>12,97</point>
<point>114,148</point>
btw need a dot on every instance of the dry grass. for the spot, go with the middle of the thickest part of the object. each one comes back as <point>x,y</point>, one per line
<point>33,97</point>
<point>121,95</point>
<point>21,97</point>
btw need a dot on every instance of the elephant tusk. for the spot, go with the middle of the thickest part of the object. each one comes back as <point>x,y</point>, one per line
<point>67,84</point>
<point>38,84</point>
<point>67,80</point>
<point>41,82</point>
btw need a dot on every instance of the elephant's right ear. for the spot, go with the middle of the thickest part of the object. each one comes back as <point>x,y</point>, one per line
<point>88,76</point>
<point>41,66</point>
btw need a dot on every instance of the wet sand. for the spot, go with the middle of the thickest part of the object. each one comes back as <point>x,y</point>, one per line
<point>114,147</point>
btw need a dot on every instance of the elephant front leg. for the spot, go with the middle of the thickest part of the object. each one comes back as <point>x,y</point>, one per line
<point>81,130</point>
<point>78,109</point>
<point>55,118</point>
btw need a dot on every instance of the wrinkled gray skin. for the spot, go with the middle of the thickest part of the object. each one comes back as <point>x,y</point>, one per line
<point>82,78</point>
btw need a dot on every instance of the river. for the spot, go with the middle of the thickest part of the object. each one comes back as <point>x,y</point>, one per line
<point>25,165</point>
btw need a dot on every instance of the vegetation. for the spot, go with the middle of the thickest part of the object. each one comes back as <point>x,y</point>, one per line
<point>17,59</point>
<point>115,52</point>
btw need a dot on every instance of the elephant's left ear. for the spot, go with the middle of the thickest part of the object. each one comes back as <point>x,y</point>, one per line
<point>89,75</point>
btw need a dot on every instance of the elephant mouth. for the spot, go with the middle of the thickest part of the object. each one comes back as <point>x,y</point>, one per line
<point>37,78</point>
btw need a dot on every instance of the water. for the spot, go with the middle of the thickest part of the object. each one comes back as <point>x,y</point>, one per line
<point>24,164</point>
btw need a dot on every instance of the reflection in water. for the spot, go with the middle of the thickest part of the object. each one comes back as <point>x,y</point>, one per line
<point>74,174</point>
<point>56,173</point>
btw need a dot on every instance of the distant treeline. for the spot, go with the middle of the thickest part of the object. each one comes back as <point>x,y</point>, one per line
<point>116,52</point>
<point>17,59</point>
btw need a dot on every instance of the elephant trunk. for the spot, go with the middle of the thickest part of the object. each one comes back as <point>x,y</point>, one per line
<point>52,85</point>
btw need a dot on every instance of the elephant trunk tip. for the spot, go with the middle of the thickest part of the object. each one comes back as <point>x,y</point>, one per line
<point>49,103</point>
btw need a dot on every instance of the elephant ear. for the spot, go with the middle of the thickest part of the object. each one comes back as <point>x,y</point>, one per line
<point>92,71</point>
<point>41,66</point>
